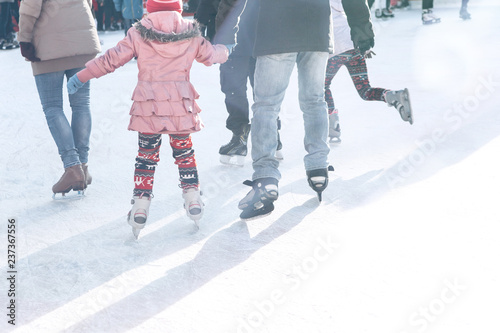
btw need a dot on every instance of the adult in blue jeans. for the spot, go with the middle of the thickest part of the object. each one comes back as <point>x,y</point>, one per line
<point>303,39</point>
<point>55,54</point>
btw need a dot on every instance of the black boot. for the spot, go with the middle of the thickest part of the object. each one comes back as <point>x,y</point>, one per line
<point>318,180</point>
<point>236,147</point>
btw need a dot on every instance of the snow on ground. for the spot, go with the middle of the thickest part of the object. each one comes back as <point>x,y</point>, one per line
<point>405,240</point>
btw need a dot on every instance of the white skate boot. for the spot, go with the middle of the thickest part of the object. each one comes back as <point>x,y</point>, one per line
<point>401,101</point>
<point>193,204</point>
<point>138,215</point>
<point>334,127</point>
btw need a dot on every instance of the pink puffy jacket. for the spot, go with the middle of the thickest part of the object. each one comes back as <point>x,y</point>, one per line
<point>165,45</point>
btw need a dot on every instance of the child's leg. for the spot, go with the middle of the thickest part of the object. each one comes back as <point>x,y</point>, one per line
<point>146,161</point>
<point>333,66</point>
<point>182,151</point>
<point>359,75</point>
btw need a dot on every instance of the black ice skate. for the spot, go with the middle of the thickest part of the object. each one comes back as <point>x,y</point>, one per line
<point>318,180</point>
<point>235,151</point>
<point>334,127</point>
<point>429,18</point>
<point>259,201</point>
<point>401,101</point>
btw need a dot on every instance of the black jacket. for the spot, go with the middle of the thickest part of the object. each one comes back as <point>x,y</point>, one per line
<point>305,25</point>
<point>221,19</point>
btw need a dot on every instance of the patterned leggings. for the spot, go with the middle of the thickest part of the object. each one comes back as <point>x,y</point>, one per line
<point>149,156</point>
<point>356,66</point>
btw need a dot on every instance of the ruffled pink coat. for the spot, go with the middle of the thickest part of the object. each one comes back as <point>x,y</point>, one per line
<point>165,45</point>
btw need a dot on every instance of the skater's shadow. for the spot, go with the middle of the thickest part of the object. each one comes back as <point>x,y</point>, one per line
<point>223,251</point>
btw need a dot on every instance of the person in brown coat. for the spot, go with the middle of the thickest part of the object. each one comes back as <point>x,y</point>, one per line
<point>58,39</point>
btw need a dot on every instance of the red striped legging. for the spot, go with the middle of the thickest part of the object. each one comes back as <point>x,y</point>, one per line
<point>149,156</point>
<point>356,65</point>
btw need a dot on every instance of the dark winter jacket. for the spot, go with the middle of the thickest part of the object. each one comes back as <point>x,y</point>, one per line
<point>220,16</point>
<point>304,25</point>
<point>247,27</point>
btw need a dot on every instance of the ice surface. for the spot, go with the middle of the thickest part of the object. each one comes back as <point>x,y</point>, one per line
<point>405,240</point>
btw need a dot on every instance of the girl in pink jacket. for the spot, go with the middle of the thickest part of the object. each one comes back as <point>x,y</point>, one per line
<point>165,45</point>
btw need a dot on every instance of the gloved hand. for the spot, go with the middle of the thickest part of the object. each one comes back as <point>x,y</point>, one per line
<point>28,51</point>
<point>364,47</point>
<point>230,47</point>
<point>74,84</point>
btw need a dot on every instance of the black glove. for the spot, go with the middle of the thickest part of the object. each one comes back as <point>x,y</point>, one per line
<point>364,47</point>
<point>28,51</point>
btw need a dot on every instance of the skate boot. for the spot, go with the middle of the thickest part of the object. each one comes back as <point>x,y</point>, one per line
<point>193,204</point>
<point>428,17</point>
<point>138,215</point>
<point>88,177</point>
<point>318,180</point>
<point>401,101</point>
<point>72,179</point>
<point>236,148</point>
<point>386,12</point>
<point>334,127</point>
<point>259,201</point>
<point>464,14</point>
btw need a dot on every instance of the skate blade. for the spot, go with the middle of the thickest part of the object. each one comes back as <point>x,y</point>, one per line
<point>246,214</point>
<point>197,224</point>
<point>136,232</point>
<point>335,140</point>
<point>252,218</point>
<point>73,195</point>
<point>407,106</point>
<point>234,160</point>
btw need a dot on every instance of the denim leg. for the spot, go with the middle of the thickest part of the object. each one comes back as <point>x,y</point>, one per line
<point>50,86</point>
<point>272,75</point>
<point>81,120</point>
<point>311,67</point>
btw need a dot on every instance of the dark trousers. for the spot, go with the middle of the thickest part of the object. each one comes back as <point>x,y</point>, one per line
<point>127,24</point>
<point>5,19</point>
<point>104,14</point>
<point>427,4</point>
<point>234,76</point>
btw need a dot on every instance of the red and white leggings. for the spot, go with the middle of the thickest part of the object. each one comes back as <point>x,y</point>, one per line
<point>149,156</point>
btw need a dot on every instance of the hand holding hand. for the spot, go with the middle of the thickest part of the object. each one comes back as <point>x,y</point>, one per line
<point>74,84</point>
<point>230,47</point>
<point>28,51</point>
<point>364,47</point>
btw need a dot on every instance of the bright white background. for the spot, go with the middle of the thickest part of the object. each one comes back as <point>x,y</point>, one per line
<point>405,240</point>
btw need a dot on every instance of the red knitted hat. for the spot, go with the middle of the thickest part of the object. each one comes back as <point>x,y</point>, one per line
<point>164,5</point>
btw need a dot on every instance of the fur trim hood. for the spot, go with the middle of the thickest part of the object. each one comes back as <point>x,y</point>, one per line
<point>153,35</point>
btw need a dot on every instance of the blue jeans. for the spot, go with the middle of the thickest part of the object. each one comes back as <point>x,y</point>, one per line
<point>272,75</point>
<point>72,140</point>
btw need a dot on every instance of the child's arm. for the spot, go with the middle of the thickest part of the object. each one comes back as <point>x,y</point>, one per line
<point>114,58</point>
<point>209,54</point>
